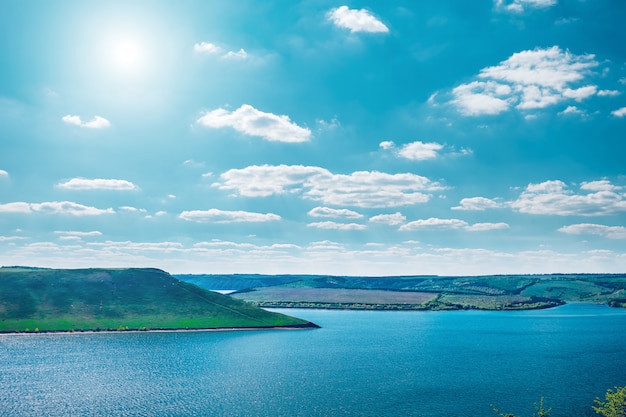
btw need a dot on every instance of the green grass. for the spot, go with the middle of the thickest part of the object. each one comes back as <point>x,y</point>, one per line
<point>124,299</point>
<point>449,292</point>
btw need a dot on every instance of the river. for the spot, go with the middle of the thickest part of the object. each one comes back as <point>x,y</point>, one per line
<point>359,363</point>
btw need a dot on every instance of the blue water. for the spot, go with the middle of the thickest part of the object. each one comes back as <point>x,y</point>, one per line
<point>358,364</point>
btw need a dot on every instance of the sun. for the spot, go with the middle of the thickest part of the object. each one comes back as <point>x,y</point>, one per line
<point>126,55</point>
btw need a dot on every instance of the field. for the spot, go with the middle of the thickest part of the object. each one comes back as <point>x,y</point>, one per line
<point>334,298</point>
<point>493,292</point>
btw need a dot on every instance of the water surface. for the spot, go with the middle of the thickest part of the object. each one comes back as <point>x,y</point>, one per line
<point>358,364</point>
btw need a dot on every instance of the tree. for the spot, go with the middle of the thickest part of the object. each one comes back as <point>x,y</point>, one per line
<point>541,411</point>
<point>614,404</point>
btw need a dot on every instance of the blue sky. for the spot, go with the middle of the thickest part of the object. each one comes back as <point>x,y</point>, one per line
<point>348,138</point>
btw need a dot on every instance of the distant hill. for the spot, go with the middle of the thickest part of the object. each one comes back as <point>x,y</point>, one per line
<point>33,299</point>
<point>494,292</point>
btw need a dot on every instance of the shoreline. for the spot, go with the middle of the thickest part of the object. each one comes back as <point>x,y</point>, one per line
<point>306,326</point>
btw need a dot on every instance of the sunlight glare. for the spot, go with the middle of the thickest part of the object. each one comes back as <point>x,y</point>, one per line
<point>126,56</point>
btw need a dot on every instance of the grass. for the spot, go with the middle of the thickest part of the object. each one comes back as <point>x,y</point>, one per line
<point>124,299</point>
<point>510,292</point>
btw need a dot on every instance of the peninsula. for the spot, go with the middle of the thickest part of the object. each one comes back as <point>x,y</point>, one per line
<point>53,300</point>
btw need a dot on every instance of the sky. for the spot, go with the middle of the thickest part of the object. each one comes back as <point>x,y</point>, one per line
<point>314,137</point>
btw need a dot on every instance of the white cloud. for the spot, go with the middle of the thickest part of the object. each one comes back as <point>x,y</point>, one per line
<point>451,224</point>
<point>223,216</point>
<point>480,97</point>
<point>608,93</point>
<point>419,151</point>
<point>54,207</point>
<point>96,123</point>
<point>621,112</point>
<point>130,209</point>
<point>18,207</point>
<point>599,185</point>
<point>330,212</point>
<point>554,198</point>
<point>240,54</point>
<point>98,184</point>
<point>434,224</point>
<point>324,125</point>
<point>390,219</point>
<point>610,232</point>
<point>387,144</point>
<point>68,207</point>
<point>250,121</point>
<point>11,238</point>
<point>266,180</point>
<point>3,173</point>
<point>579,94</point>
<point>483,227</point>
<point>477,203</point>
<point>206,48</point>
<point>337,226</point>
<point>79,234</point>
<point>519,6</point>
<point>531,79</point>
<point>356,20</point>
<point>369,189</point>
<point>570,110</point>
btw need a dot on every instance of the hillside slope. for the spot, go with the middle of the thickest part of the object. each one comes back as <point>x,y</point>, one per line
<point>494,292</point>
<point>120,299</point>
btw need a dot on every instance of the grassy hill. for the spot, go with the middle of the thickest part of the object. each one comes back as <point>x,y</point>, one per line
<point>120,299</point>
<point>495,292</point>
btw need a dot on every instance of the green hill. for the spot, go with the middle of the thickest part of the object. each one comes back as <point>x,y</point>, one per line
<point>493,292</point>
<point>120,299</point>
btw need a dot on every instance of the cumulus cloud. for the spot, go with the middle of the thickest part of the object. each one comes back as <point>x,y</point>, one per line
<point>596,198</point>
<point>54,207</point>
<point>571,110</point>
<point>250,121</point>
<point>477,204</point>
<point>434,224</point>
<point>330,212</point>
<point>608,93</point>
<point>519,6</point>
<point>97,122</point>
<point>240,54</point>
<point>370,189</point>
<point>451,224</point>
<point>484,227</point>
<point>337,226</point>
<point>479,97</point>
<point>209,48</point>
<point>17,207</point>
<point>223,216</point>
<point>390,219</point>
<point>527,80</point>
<point>3,173</point>
<point>621,112</point>
<point>356,20</point>
<point>610,232</point>
<point>98,184</point>
<point>206,48</point>
<point>416,151</point>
